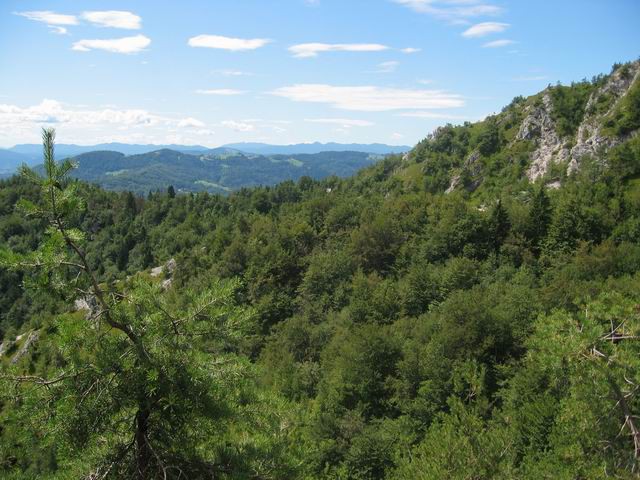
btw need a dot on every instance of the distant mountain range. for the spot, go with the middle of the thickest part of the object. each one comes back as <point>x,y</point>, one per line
<point>10,161</point>
<point>219,170</point>
<point>317,147</point>
<point>31,154</point>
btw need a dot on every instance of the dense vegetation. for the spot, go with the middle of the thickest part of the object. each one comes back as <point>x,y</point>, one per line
<point>362,328</point>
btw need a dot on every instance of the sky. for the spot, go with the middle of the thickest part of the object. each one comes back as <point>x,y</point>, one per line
<point>211,72</point>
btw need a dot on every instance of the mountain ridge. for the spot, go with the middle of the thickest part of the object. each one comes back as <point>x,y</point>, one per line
<point>32,153</point>
<point>545,136</point>
<point>219,172</point>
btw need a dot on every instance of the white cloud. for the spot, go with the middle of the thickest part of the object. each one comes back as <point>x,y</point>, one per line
<point>343,122</point>
<point>52,111</point>
<point>409,50</point>
<point>306,50</point>
<point>227,43</point>
<point>485,28</point>
<point>387,67</point>
<point>452,10</point>
<point>498,43</point>
<point>397,136</point>
<point>204,132</point>
<point>220,91</point>
<point>190,122</point>
<point>370,98</point>
<point>58,30</point>
<point>114,19</point>
<point>82,124</point>
<point>50,18</point>
<point>238,126</point>
<point>117,45</point>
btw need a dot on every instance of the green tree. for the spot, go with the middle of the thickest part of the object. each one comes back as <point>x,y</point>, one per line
<point>135,394</point>
<point>489,139</point>
<point>499,225</point>
<point>539,218</point>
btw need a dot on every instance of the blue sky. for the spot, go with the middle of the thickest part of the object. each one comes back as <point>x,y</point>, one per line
<point>211,72</point>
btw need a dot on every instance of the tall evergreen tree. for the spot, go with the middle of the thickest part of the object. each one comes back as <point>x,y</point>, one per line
<point>135,396</point>
<point>539,218</point>
<point>499,225</point>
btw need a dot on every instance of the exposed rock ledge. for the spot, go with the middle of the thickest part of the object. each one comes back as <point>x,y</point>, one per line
<point>540,127</point>
<point>32,337</point>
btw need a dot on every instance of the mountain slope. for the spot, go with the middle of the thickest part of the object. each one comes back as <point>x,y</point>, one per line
<point>546,136</point>
<point>222,171</point>
<point>10,161</point>
<point>34,151</point>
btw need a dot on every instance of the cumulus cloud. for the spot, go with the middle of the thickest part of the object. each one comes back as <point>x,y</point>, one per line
<point>306,50</point>
<point>190,122</point>
<point>58,30</point>
<point>127,45</point>
<point>220,91</point>
<point>238,126</point>
<point>108,18</point>
<point>369,98</point>
<point>50,18</point>
<point>452,10</point>
<point>47,111</point>
<point>227,43</point>
<point>343,122</point>
<point>485,28</point>
<point>113,19</point>
<point>52,111</point>
<point>498,43</point>
<point>410,50</point>
<point>80,123</point>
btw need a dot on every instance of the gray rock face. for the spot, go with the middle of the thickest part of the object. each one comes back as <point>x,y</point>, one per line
<point>168,268</point>
<point>24,349</point>
<point>471,165</point>
<point>88,303</point>
<point>589,140</point>
<point>539,126</point>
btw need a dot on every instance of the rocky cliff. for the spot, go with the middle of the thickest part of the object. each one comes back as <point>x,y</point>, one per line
<point>539,125</point>
<point>544,136</point>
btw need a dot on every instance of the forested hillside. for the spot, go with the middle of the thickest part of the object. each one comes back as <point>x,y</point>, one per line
<point>217,171</point>
<point>468,310</point>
